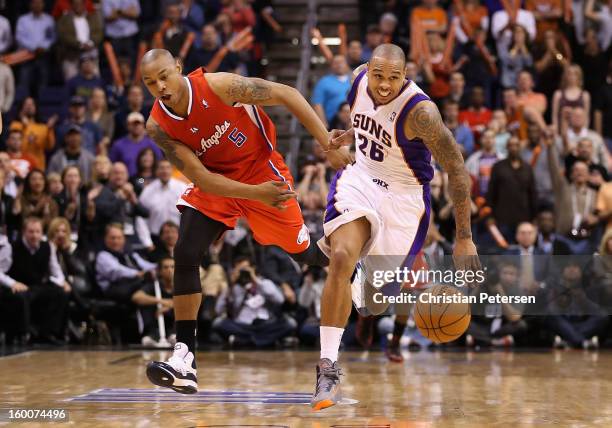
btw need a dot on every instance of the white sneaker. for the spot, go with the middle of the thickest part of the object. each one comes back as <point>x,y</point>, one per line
<point>177,373</point>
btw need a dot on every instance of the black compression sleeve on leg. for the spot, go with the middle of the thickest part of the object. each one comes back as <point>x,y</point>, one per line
<point>196,233</point>
<point>312,256</point>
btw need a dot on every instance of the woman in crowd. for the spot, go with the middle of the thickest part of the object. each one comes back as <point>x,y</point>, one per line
<point>98,113</point>
<point>146,164</point>
<point>73,202</point>
<point>36,199</point>
<point>516,58</point>
<point>570,95</point>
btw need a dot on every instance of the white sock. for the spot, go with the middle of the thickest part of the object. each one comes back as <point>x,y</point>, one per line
<point>330,342</point>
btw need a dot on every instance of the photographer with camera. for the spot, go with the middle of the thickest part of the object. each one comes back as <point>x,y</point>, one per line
<point>249,305</point>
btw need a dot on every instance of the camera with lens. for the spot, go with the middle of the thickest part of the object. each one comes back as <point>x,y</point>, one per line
<point>244,277</point>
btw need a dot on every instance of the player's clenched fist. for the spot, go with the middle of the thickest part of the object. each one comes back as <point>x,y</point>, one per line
<point>341,137</point>
<point>274,193</point>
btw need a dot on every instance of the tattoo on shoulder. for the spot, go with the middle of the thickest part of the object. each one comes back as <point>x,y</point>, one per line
<point>167,144</point>
<point>249,90</point>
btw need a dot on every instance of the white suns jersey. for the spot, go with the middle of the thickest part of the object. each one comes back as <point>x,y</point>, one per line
<point>381,147</point>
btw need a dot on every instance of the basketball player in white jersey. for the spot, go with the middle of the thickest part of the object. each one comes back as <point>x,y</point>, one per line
<point>380,205</point>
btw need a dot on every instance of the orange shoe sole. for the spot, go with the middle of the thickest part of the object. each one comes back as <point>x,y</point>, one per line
<point>323,405</point>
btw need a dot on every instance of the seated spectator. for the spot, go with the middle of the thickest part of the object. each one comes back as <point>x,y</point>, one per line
<point>98,114</point>
<point>160,197</point>
<point>34,290</point>
<point>172,34</point>
<point>309,298</point>
<point>87,78</point>
<point>101,170</point>
<point>36,200</point>
<point>477,115</point>
<point>431,17</point>
<point>457,91</point>
<point>121,273</point>
<point>549,242</point>
<point>38,138</point>
<point>373,39</point>
<point>570,95</point>
<point>463,135</point>
<point>73,203</point>
<point>7,87</point>
<point>599,288</point>
<point>573,317</point>
<point>90,133</point>
<point>498,324</point>
<point>480,164</point>
<point>134,103</point>
<point>10,177</point>
<point>532,261</point>
<point>584,152</point>
<point>54,184</point>
<point>511,192</point>
<point>574,202</point>
<point>225,57</point>
<point>330,91</point>
<point>577,130</point>
<point>10,211</point>
<point>121,25</point>
<point>525,94</point>
<point>280,268</point>
<point>249,305</point>
<point>126,149</point>
<point>146,165</point>
<point>72,43</point>
<point>342,119</point>
<point>514,58</point>
<point>501,27</point>
<point>150,306</point>
<point>604,205</point>
<point>72,154</point>
<point>22,163</point>
<point>168,237</point>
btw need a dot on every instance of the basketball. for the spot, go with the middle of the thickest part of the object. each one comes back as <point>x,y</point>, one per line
<point>441,317</point>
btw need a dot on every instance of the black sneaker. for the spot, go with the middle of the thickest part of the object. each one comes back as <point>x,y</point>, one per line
<point>177,373</point>
<point>327,390</point>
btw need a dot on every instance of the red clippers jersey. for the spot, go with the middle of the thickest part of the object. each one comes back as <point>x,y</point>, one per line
<point>237,141</point>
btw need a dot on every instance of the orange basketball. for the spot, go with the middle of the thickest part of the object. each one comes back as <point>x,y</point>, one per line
<point>442,313</point>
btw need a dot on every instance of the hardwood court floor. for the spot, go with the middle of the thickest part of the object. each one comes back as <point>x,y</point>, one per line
<point>499,389</point>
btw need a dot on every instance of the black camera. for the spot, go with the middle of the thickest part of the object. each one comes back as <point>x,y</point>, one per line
<point>244,277</point>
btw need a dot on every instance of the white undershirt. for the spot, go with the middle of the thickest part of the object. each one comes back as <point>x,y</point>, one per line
<point>81,27</point>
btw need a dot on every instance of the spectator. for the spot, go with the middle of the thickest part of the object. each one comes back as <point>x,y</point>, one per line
<point>342,119</point>
<point>330,91</point>
<point>168,237</point>
<point>150,306</point>
<point>10,212</point>
<point>126,149</point>
<point>36,199</point>
<point>604,205</point>
<point>192,15</point>
<point>90,133</point>
<point>515,114</point>
<point>549,242</point>
<point>577,130</point>
<point>78,32</point>
<point>134,104</point>
<point>72,154</point>
<point>38,137</point>
<point>584,153</point>
<point>226,58</point>
<point>39,292</point>
<point>480,164</point>
<point>547,14</point>
<point>576,319</point>
<point>54,184</point>
<point>99,115</point>
<point>388,24</point>
<point>101,170</point>
<point>463,135</point>
<point>160,197</point>
<point>594,62</point>
<point>172,34</point>
<point>309,298</point>
<point>515,58</point>
<point>457,92</point>
<point>511,193</point>
<point>10,177</point>
<point>501,27</point>
<point>87,78</point>
<point>442,206</point>
<point>477,116</point>
<point>62,7</point>
<point>280,268</point>
<point>533,265</point>
<point>603,20</point>
<point>525,94</point>
<point>574,202</point>
<point>569,96</point>
<point>551,58</point>
<point>312,193</point>
<point>499,125</point>
<point>146,165</point>
<point>22,163</point>
<point>6,36</point>
<point>241,14</point>
<point>354,54</point>
<point>373,39</point>
<point>73,202</point>
<point>430,16</point>
<point>599,288</point>
<point>121,17</point>
<point>474,17</point>
<point>121,273</point>
<point>7,87</point>
<point>249,304</point>
<point>535,154</point>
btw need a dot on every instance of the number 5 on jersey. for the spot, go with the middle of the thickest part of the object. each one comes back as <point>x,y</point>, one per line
<point>237,137</point>
<point>376,152</point>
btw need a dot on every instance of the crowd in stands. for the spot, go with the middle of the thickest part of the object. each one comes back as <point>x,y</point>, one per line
<point>88,223</point>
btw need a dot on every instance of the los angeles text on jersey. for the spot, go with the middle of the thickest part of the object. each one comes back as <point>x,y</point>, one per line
<point>452,298</point>
<point>369,125</point>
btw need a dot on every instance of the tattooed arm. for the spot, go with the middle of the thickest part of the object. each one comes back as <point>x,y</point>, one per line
<point>424,122</point>
<point>233,88</point>
<point>272,193</point>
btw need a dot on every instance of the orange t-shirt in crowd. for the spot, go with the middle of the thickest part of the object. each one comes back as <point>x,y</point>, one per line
<point>431,19</point>
<point>517,123</point>
<point>38,138</point>
<point>534,99</point>
<point>543,6</point>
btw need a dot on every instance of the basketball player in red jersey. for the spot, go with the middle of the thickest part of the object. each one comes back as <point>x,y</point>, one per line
<point>212,128</point>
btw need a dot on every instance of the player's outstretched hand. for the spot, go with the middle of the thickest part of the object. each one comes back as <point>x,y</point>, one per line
<point>339,137</point>
<point>339,158</point>
<point>465,256</point>
<point>274,193</point>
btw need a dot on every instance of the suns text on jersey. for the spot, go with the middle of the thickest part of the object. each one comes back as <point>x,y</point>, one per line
<point>369,125</point>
